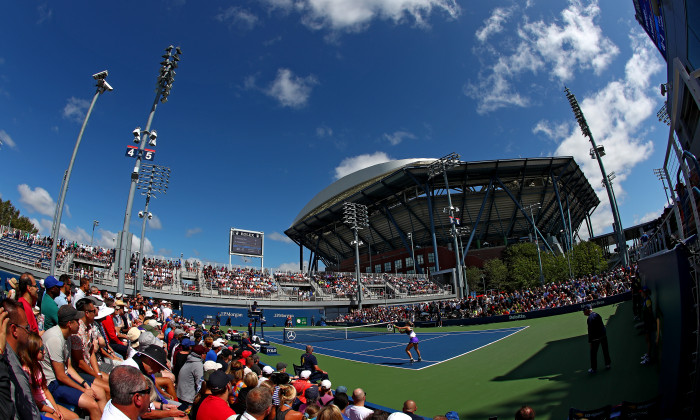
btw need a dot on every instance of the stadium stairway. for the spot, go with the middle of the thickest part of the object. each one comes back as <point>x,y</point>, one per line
<point>20,251</point>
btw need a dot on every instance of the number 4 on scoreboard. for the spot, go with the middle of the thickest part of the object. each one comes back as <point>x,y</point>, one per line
<point>132,151</point>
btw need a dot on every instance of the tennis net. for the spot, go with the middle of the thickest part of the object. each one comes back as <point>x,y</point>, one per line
<point>307,335</point>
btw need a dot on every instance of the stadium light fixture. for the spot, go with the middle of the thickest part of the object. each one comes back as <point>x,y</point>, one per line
<point>440,166</point>
<point>356,217</point>
<point>596,154</point>
<point>661,175</point>
<point>154,180</point>
<point>94,223</point>
<point>164,84</point>
<point>102,87</point>
<point>534,230</point>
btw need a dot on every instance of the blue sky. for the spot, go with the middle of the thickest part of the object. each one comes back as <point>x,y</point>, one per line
<point>276,99</point>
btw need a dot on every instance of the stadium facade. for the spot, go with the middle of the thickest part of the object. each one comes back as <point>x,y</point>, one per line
<point>497,202</point>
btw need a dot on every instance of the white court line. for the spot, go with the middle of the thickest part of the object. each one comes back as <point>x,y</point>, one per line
<point>485,345</point>
<point>517,330</point>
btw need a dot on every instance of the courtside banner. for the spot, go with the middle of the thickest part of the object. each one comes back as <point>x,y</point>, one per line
<point>274,317</point>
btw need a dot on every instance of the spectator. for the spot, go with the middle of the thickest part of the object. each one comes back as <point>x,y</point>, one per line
<point>309,362</point>
<point>302,384</point>
<point>130,394</point>
<point>283,411</point>
<point>82,290</point>
<point>188,379</point>
<point>258,404</point>
<point>62,298</point>
<point>329,412</point>
<point>311,411</point>
<point>185,348</point>
<point>48,305</point>
<point>17,333</point>
<point>525,413</point>
<point>325,393</point>
<point>267,371</point>
<point>28,292</point>
<point>224,358</point>
<point>409,407</point>
<point>251,381</point>
<point>83,351</point>
<point>150,362</point>
<point>358,411</point>
<point>311,396</point>
<point>342,401</point>
<point>215,406</point>
<point>66,385</point>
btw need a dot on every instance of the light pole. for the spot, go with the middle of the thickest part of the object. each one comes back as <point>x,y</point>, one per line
<point>440,166</point>
<point>413,254</point>
<point>568,256</point>
<point>166,78</point>
<point>154,180</point>
<point>102,87</point>
<point>597,152</point>
<point>537,242</point>
<point>662,176</point>
<point>94,223</point>
<point>356,217</point>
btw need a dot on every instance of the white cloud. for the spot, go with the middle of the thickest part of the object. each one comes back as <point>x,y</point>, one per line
<point>45,13</point>
<point>559,49</point>
<point>398,136</point>
<point>355,163</point>
<point>37,200</point>
<point>155,223</point>
<point>276,236</point>
<point>6,140</point>
<point>290,90</point>
<point>193,231</point>
<point>652,215</point>
<point>355,15</point>
<point>615,114</point>
<point>555,132</point>
<point>291,266</point>
<point>238,16</point>
<point>494,24</point>
<point>324,131</point>
<point>76,109</point>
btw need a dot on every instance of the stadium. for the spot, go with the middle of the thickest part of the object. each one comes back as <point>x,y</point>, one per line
<point>389,248</point>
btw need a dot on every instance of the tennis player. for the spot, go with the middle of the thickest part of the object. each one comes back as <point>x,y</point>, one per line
<point>412,339</point>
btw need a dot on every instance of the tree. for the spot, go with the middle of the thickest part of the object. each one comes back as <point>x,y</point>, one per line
<point>523,265</point>
<point>587,258</point>
<point>9,216</point>
<point>496,273</point>
<point>473,275</point>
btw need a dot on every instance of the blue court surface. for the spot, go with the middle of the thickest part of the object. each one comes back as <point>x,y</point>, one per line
<point>388,349</point>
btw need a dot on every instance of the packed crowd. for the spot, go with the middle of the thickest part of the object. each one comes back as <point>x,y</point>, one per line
<point>239,281</point>
<point>550,295</point>
<point>85,352</point>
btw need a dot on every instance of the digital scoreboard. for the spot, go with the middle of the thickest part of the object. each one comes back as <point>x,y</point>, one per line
<point>246,242</point>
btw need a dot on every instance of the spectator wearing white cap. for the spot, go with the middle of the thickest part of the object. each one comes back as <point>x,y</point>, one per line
<point>325,393</point>
<point>358,411</point>
<point>267,371</point>
<point>302,384</point>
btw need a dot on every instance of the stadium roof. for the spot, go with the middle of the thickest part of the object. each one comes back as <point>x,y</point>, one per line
<point>400,195</point>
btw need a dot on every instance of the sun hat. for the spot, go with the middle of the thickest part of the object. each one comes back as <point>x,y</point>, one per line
<point>157,354</point>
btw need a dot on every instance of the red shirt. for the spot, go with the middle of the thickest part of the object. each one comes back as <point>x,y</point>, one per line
<point>31,319</point>
<point>214,408</point>
<point>108,325</point>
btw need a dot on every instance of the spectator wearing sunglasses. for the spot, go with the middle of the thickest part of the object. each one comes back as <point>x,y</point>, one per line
<point>130,394</point>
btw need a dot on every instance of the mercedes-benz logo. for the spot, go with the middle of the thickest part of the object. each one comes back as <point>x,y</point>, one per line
<point>291,335</point>
<point>390,327</point>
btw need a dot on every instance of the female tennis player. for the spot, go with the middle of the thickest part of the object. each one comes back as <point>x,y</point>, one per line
<point>412,339</point>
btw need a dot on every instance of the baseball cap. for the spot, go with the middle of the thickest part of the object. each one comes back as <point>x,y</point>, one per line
<point>586,308</point>
<point>219,342</point>
<point>133,336</point>
<point>199,349</point>
<point>218,380</point>
<point>67,313</point>
<point>246,353</point>
<point>267,370</point>
<point>305,374</point>
<point>186,342</point>
<point>280,366</point>
<point>311,393</point>
<point>51,281</point>
<point>452,415</point>
<point>342,389</point>
<point>326,384</point>
<point>212,365</point>
<point>398,416</point>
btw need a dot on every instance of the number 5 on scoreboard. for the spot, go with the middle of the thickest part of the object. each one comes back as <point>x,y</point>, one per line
<point>149,154</point>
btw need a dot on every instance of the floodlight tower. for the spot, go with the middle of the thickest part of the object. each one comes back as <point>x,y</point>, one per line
<point>440,166</point>
<point>154,180</point>
<point>102,87</point>
<point>597,152</point>
<point>537,242</point>
<point>166,77</point>
<point>356,217</point>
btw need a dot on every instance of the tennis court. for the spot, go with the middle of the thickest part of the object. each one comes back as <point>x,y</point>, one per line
<point>387,348</point>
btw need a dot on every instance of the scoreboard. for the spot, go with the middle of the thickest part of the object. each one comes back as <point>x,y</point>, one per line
<point>246,242</point>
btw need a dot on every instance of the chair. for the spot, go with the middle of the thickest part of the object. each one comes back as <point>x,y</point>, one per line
<point>297,369</point>
<point>640,411</point>
<point>602,413</point>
